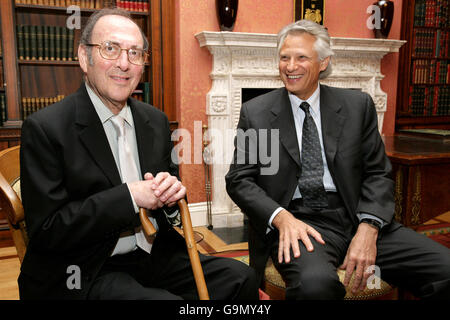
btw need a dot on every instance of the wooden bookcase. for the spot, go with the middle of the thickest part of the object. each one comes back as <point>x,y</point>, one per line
<point>45,78</point>
<point>423,99</point>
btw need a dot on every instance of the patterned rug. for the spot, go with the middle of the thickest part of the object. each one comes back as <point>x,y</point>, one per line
<point>439,232</point>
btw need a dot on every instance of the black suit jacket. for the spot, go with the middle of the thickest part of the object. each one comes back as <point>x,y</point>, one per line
<point>75,203</point>
<point>354,151</point>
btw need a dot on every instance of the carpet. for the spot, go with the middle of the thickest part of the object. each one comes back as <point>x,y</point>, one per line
<point>439,232</point>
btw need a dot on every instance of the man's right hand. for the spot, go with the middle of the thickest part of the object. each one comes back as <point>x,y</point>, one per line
<point>291,230</point>
<point>144,195</point>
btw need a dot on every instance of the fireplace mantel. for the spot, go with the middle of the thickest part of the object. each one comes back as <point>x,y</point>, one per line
<point>249,60</point>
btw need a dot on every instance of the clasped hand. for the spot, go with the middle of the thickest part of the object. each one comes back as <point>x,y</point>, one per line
<point>155,192</point>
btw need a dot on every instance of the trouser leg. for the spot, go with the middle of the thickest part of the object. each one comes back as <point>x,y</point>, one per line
<point>414,262</point>
<point>225,278</point>
<point>167,274</point>
<point>314,274</point>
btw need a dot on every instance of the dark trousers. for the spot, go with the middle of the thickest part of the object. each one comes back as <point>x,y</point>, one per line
<point>166,274</point>
<point>406,258</point>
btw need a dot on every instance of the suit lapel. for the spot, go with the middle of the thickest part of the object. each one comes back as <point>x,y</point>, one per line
<point>284,121</point>
<point>332,123</point>
<point>144,136</point>
<point>93,136</point>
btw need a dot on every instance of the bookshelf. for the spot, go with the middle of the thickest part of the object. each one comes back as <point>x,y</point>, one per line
<point>423,99</point>
<point>40,64</point>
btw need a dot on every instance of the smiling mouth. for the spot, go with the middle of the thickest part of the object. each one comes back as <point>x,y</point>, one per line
<point>294,77</point>
<point>120,78</point>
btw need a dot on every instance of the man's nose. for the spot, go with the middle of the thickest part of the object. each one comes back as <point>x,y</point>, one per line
<point>291,65</point>
<point>122,61</point>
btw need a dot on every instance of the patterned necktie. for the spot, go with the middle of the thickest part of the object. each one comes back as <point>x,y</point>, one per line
<point>311,178</point>
<point>129,171</point>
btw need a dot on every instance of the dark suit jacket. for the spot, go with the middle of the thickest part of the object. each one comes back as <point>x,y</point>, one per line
<point>75,203</point>
<point>354,152</point>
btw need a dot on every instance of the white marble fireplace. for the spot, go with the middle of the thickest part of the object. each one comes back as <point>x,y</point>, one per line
<point>249,60</point>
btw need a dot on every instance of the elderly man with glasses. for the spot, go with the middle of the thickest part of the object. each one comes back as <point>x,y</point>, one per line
<point>88,163</point>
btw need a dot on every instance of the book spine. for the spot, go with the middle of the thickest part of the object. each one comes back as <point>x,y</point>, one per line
<point>64,43</point>
<point>40,42</point>
<point>52,42</point>
<point>33,43</point>
<point>70,39</point>
<point>26,37</point>
<point>58,43</point>
<point>20,42</point>
<point>2,108</point>
<point>46,43</point>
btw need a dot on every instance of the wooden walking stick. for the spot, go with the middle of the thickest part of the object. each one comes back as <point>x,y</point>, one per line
<point>194,258</point>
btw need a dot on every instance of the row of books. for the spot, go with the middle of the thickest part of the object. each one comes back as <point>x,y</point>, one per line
<point>130,5</point>
<point>45,43</point>
<point>33,104</point>
<point>430,72</point>
<point>89,4</point>
<point>431,43</point>
<point>431,13</point>
<point>133,5</point>
<point>2,108</point>
<point>430,101</point>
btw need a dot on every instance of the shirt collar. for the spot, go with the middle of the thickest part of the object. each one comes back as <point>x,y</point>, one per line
<point>313,101</point>
<point>103,112</point>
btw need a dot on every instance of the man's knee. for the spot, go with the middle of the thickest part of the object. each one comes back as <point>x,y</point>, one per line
<point>439,284</point>
<point>316,286</point>
<point>230,279</point>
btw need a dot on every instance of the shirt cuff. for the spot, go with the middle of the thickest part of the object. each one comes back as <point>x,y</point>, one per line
<point>274,214</point>
<point>370,216</point>
<point>172,214</point>
<point>136,208</point>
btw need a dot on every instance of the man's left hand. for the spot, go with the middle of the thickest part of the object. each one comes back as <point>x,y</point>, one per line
<point>167,188</point>
<point>361,254</point>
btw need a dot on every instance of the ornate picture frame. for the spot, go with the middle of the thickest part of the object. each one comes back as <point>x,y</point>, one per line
<point>313,10</point>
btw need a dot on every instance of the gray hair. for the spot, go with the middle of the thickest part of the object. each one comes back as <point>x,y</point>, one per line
<point>322,44</point>
<point>86,35</point>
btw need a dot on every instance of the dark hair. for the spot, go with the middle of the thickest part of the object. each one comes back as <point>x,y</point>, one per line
<point>86,35</point>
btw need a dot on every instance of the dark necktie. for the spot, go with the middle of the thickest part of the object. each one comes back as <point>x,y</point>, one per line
<point>311,177</point>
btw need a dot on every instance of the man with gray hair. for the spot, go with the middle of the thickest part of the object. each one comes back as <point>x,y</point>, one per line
<point>330,205</point>
<point>88,163</point>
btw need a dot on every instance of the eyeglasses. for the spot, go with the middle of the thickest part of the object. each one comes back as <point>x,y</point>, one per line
<point>111,51</point>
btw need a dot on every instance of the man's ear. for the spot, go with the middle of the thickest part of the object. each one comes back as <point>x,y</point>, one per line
<point>83,58</point>
<point>324,63</point>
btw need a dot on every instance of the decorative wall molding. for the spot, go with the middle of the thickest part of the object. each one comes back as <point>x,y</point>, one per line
<point>249,60</point>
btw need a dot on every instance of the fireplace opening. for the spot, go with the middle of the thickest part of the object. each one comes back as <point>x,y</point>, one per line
<point>250,93</point>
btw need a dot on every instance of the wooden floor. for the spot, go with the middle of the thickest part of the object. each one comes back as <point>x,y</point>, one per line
<point>9,271</point>
<point>207,242</point>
